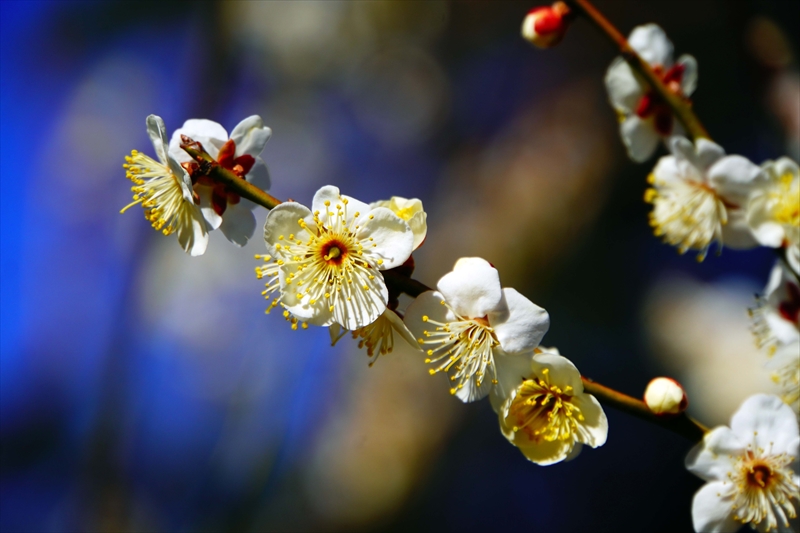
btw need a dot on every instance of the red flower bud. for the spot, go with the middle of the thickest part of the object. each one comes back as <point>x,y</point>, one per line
<point>546,26</point>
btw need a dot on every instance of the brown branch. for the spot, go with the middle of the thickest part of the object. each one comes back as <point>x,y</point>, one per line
<point>681,424</point>
<point>681,107</point>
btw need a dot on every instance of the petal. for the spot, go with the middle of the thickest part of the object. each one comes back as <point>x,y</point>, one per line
<point>259,175</point>
<point>560,369</point>
<point>212,218</point>
<point>157,132</point>
<point>360,303</point>
<point>765,421</point>
<point>400,327</point>
<point>238,224</point>
<point>652,44</point>
<point>283,222</point>
<point>594,426</point>
<point>546,453</point>
<point>511,371</point>
<point>419,227</point>
<point>200,127</point>
<point>711,459</point>
<point>689,79</point>
<point>624,90</point>
<point>472,288</point>
<point>385,237</point>
<point>707,153</point>
<point>471,392</point>
<point>520,324</point>
<point>250,136</point>
<point>712,509</point>
<point>331,194</point>
<point>737,233</point>
<point>426,304</point>
<point>671,169</point>
<point>192,233</point>
<point>577,448</point>
<point>734,178</point>
<point>639,137</point>
<point>765,230</point>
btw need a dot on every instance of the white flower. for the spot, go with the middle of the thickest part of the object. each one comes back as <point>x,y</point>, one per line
<point>165,191</point>
<point>548,416</point>
<point>240,154</point>
<point>470,322</point>
<point>773,211</point>
<point>698,196</point>
<point>665,396</point>
<point>378,337</point>
<point>750,469</point>
<point>644,117</point>
<point>776,326</point>
<point>776,319</point>
<point>329,259</point>
<point>411,211</point>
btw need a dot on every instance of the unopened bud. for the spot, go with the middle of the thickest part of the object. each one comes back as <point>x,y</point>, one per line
<point>665,396</point>
<point>546,26</point>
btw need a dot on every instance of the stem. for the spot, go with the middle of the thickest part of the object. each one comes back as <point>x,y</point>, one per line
<point>233,182</point>
<point>681,424</point>
<point>681,107</point>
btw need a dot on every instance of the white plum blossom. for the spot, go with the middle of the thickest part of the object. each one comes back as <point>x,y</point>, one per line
<point>644,117</point>
<point>327,259</point>
<point>699,195</point>
<point>222,208</point>
<point>470,323</point>
<point>411,211</point>
<point>773,211</point>
<point>776,327</point>
<point>751,470</point>
<point>164,190</point>
<point>547,415</point>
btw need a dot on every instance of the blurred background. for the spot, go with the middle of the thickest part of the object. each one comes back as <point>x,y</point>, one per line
<point>145,390</point>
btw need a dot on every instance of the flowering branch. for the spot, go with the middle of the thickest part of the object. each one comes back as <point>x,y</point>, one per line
<point>682,107</point>
<point>208,166</point>
<point>681,424</point>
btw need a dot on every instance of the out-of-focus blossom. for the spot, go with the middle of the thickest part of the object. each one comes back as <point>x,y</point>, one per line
<point>470,322</point>
<point>222,208</point>
<point>548,416</point>
<point>776,327</point>
<point>545,26</point>
<point>699,195</point>
<point>378,337</point>
<point>409,210</point>
<point>750,468</point>
<point>665,396</point>
<point>773,211</point>
<point>330,258</point>
<point>644,117</point>
<point>165,192</point>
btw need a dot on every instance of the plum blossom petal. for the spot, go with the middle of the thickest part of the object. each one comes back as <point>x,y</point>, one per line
<point>250,136</point>
<point>411,211</point>
<point>390,236</point>
<point>714,460</point>
<point>472,288</point>
<point>689,80</point>
<point>711,509</point>
<point>239,224</point>
<point>624,91</point>
<point>734,178</point>
<point>520,325</point>
<point>766,421</point>
<point>639,138</point>
<point>652,44</point>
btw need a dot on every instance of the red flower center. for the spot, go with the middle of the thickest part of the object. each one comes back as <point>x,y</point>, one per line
<point>221,196</point>
<point>652,105</point>
<point>790,309</point>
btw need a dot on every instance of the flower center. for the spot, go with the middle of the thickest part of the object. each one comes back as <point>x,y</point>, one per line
<point>544,411</point>
<point>652,105</point>
<point>158,190</point>
<point>786,208</point>
<point>764,488</point>
<point>686,214</point>
<point>465,349</point>
<point>330,265</point>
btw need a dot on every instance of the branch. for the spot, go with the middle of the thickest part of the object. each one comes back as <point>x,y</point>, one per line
<point>681,424</point>
<point>681,107</point>
<point>212,168</point>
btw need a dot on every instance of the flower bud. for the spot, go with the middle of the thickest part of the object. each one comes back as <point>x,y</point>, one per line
<point>665,396</point>
<point>544,27</point>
